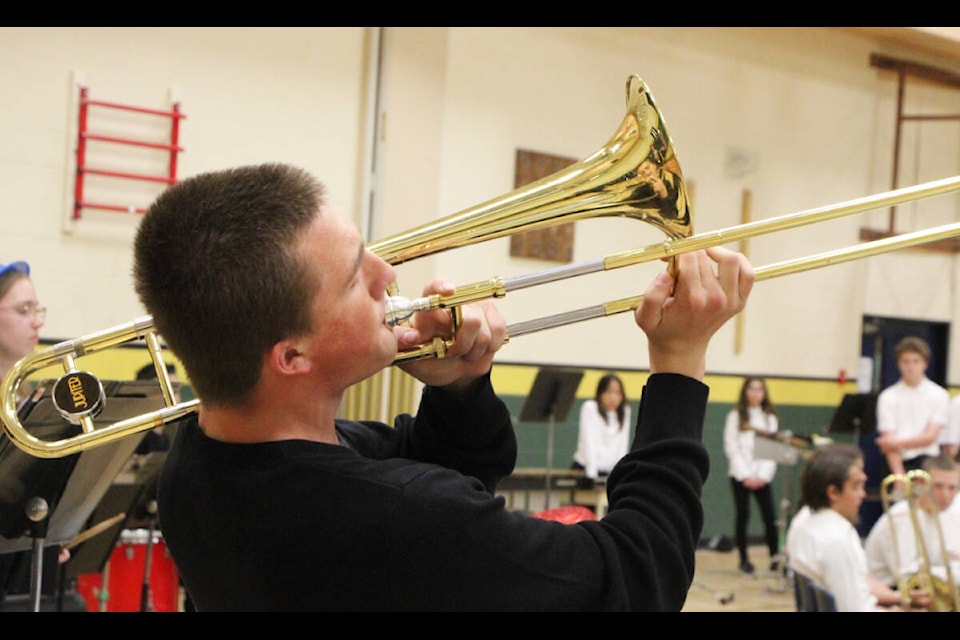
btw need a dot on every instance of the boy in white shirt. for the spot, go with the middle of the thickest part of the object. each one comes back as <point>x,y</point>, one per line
<point>911,413</point>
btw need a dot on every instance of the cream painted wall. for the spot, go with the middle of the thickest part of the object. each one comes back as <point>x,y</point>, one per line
<point>250,95</point>
<point>802,105</point>
<point>951,33</point>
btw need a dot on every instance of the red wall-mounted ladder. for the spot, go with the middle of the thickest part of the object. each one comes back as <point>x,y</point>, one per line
<point>173,148</point>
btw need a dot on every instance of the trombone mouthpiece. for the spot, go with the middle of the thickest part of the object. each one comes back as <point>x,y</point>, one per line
<point>399,308</point>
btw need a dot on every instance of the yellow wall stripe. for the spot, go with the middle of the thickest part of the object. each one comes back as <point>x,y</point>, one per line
<point>517,379</point>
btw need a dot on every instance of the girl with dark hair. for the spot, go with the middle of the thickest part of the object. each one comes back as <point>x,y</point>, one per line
<point>604,429</point>
<point>754,414</point>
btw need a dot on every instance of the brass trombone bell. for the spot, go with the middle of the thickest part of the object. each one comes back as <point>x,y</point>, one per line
<point>635,175</point>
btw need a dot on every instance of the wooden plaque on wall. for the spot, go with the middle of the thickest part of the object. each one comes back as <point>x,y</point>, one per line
<point>554,243</point>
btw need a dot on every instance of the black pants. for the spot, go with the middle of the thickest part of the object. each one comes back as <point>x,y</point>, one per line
<point>741,503</point>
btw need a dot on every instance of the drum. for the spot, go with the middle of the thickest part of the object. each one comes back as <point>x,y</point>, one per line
<point>121,585</point>
<point>569,514</point>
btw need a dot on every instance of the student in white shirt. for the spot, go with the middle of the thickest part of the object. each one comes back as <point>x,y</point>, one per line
<point>753,416</point>
<point>604,429</point>
<point>911,413</point>
<point>825,545</point>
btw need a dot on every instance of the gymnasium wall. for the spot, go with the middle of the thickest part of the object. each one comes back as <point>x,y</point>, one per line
<point>407,124</point>
<point>793,116</point>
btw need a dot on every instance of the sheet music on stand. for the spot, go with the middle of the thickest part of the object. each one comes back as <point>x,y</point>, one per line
<point>68,488</point>
<point>856,414</point>
<point>75,484</point>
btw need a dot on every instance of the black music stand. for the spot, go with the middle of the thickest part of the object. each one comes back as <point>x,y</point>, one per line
<point>133,494</point>
<point>550,398</point>
<point>856,414</point>
<point>91,555</point>
<point>45,502</point>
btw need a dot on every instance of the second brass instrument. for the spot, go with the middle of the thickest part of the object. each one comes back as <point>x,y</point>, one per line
<point>912,486</point>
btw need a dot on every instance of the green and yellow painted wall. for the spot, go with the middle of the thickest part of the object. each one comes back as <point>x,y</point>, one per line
<point>805,407</point>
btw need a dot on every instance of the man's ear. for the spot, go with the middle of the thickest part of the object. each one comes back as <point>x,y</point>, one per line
<point>833,493</point>
<point>286,357</point>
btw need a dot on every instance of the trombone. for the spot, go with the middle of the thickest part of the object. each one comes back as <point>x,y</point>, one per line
<point>914,485</point>
<point>945,596</point>
<point>635,175</point>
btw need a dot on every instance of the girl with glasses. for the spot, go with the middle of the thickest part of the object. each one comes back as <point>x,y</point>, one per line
<point>21,316</point>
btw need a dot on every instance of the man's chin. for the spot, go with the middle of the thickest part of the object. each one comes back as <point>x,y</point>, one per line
<point>390,349</point>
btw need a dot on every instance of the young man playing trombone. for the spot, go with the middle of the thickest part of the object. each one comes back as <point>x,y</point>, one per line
<point>919,538</point>
<point>268,501</point>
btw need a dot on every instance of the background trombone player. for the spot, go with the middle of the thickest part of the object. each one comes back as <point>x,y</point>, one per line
<point>911,542</point>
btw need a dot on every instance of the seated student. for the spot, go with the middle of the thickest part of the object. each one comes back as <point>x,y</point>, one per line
<point>892,548</point>
<point>825,545</point>
<point>21,319</point>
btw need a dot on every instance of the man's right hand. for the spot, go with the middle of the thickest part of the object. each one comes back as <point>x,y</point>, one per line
<point>681,313</point>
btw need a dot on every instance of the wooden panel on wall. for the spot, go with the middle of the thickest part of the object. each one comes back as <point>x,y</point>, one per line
<point>553,243</point>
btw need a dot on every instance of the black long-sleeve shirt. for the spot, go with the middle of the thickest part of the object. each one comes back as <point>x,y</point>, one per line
<point>404,517</point>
